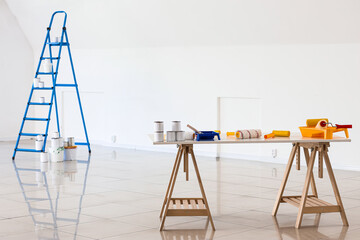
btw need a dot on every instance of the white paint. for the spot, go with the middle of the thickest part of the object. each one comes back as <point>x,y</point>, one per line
<point>151,60</point>
<point>16,69</point>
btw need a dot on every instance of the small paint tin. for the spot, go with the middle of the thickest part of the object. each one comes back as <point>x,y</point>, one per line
<point>42,99</point>
<point>41,84</point>
<point>36,82</point>
<point>170,136</point>
<point>180,135</point>
<point>43,157</point>
<point>70,141</point>
<point>176,126</point>
<point>159,137</point>
<point>158,126</point>
<point>39,145</point>
<point>55,135</point>
<point>40,137</point>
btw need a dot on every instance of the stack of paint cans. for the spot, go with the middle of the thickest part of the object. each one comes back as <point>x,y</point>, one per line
<point>176,134</point>
<point>158,131</point>
<point>70,149</point>
<point>57,148</point>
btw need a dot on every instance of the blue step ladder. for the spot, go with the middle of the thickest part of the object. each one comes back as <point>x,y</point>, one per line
<point>64,42</point>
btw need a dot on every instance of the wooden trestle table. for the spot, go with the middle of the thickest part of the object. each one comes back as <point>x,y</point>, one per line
<point>305,202</point>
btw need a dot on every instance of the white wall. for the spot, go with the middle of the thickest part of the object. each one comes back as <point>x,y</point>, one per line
<point>16,69</point>
<point>152,60</point>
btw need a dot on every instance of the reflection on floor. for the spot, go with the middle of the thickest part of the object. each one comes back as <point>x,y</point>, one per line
<point>117,194</point>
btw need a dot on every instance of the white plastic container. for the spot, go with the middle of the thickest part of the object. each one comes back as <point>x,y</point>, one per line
<point>176,126</point>
<point>56,154</point>
<point>39,137</point>
<point>180,136</point>
<point>36,82</point>
<point>41,84</point>
<point>70,154</point>
<point>170,136</point>
<point>158,126</point>
<point>44,157</point>
<point>47,67</point>
<point>55,135</point>
<point>39,144</point>
<point>42,99</point>
<point>55,143</point>
<point>159,137</point>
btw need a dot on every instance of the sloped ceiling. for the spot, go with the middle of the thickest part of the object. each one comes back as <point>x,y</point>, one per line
<point>154,23</point>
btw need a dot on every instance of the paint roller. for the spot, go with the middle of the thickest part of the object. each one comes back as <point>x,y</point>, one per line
<point>277,133</point>
<point>246,133</point>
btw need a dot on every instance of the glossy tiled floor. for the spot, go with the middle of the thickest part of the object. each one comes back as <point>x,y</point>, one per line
<point>118,195</point>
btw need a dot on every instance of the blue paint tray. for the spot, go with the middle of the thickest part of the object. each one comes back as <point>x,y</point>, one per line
<point>207,136</point>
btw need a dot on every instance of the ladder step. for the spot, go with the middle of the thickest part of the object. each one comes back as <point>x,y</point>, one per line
<point>40,210</point>
<point>30,184</point>
<point>57,43</point>
<point>36,119</point>
<point>67,219</point>
<point>26,150</point>
<point>81,143</point>
<point>65,85</point>
<point>45,73</point>
<point>37,199</point>
<point>53,58</point>
<point>45,88</point>
<point>32,134</point>
<point>28,170</point>
<point>36,103</point>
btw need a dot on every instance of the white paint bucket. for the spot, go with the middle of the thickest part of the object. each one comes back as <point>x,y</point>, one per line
<point>158,126</point>
<point>39,145</point>
<point>41,84</point>
<point>42,99</point>
<point>56,154</point>
<point>55,143</point>
<point>180,136</point>
<point>70,153</point>
<point>170,136</point>
<point>47,67</point>
<point>159,137</point>
<point>55,135</point>
<point>44,157</point>
<point>36,82</point>
<point>176,126</point>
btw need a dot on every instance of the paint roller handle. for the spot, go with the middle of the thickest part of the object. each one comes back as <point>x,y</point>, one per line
<point>343,126</point>
<point>192,128</point>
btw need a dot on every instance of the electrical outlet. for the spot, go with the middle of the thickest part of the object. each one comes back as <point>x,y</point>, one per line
<point>274,153</point>
<point>113,138</point>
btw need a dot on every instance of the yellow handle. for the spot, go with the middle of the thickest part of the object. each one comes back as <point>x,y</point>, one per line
<point>230,133</point>
<point>281,133</point>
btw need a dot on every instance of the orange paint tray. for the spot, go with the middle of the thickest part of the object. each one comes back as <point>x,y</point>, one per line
<point>326,133</point>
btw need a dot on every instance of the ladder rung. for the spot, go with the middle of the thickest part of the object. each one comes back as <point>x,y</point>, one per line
<point>81,143</point>
<point>65,85</point>
<point>40,210</point>
<point>36,103</point>
<point>29,184</point>
<point>32,134</point>
<point>36,119</point>
<point>45,73</point>
<point>57,43</point>
<point>28,170</point>
<point>45,88</point>
<point>67,219</point>
<point>53,58</point>
<point>37,199</point>
<point>27,150</point>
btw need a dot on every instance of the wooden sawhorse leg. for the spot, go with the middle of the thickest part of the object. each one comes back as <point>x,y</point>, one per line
<point>185,206</point>
<point>310,203</point>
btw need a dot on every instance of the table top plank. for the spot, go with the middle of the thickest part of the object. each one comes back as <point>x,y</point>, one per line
<point>294,138</point>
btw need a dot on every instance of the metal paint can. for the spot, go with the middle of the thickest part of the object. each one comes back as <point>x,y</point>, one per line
<point>159,137</point>
<point>176,126</point>
<point>36,82</point>
<point>42,99</point>
<point>158,126</point>
<point>180,136</point>
<point>41,84</point>
<point>170,136</point>
<point>70,141</point>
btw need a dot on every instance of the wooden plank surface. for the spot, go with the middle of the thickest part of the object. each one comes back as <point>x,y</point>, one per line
<point>232,140</point>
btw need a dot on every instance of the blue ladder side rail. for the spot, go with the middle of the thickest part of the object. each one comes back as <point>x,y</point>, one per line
<point>55,60</point>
